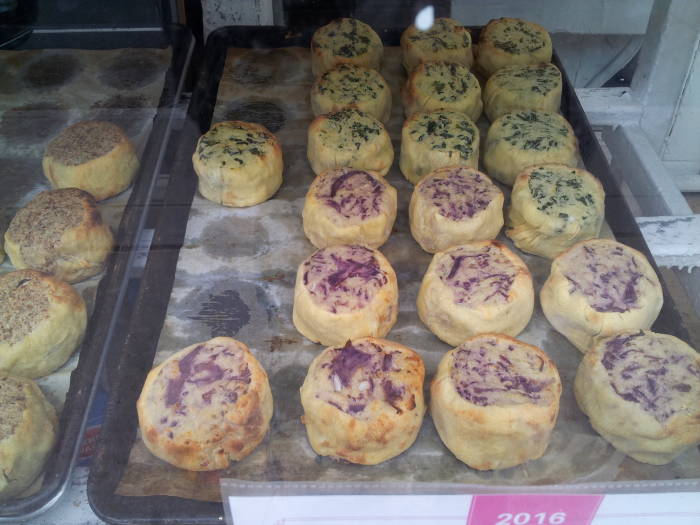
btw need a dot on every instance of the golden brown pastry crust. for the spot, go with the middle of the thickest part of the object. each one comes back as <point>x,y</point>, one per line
<point>384,415</point>
<point>640,391</point>
<point>205,406</point>
<point>491,420</point>
<point>238,163</point>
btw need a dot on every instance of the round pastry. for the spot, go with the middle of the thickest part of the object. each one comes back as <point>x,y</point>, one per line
<point>42,322</point>
<point>446,40</point>
<point>94,156</point>
<point>60,232</point>
<point>363,401</point>
<point>28,428</point>
<point>238,164</point>
<point>552,207</point>
<point>494,401</point>
<point>442,85</point>
<point>205,406</point>
<point>349,137</point>
<point>345,41</point>
<point>435,140</point>
<point>511,41</point>
<point>600,287</point>
<point>454,206</point>
<point>343,292</point>
<point>522,139</point>
<point>478,287</point>
<point>348,86</point>
<point>516,88</point>
<point>640,391</point>
<point>349,206</point>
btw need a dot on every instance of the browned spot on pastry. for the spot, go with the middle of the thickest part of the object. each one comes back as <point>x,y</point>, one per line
<point>412,402</point>
<point>13,401</point>
<point>51,71</point>
<point>85,141</point>
<point>24,303</point>
<point>152,435</point>
<point>236,446</point>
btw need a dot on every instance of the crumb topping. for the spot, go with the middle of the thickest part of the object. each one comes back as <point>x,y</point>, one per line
<point>14,402</point>
<point>24,303</point>
<point>41,224</point>
<point>85,141</point>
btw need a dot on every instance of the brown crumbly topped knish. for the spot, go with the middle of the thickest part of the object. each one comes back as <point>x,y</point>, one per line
<point>85,141</point>
<point>13,402</point>
<point>24,303</point>
<point>44,220</point>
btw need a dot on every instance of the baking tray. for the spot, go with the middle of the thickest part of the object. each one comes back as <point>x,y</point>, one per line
<point>112,285</point>
<point>120,428</point>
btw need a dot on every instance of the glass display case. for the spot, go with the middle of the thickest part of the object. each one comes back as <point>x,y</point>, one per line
<point>382,249</point>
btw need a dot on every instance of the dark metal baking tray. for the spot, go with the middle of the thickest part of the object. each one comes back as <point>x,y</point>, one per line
<point>136,358</point>
<point>112,286</point>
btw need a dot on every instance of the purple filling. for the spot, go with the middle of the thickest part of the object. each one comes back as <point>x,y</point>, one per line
<point>343,278</point>
<point>392,394</point>
<point>354,371</point>
<point>643,370</point>
<point>484,376</point>
<point>199,370</point>
<point>353,194</point>
<point>460,194</point>
<point>478,275</point>
<point>346,361</point>
<point>610,279</point>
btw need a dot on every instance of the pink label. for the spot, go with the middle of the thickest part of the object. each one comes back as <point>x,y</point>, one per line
<point>533,509</point>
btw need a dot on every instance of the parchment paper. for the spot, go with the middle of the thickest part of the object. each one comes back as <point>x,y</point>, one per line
<point>235,277</point>
<point>43,91</point>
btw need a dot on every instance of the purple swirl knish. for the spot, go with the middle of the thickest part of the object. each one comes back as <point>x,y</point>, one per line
<point>353,194</point>
<point>360,373</point>
<point>208,370</point>
<point>643,369</point>
<point>459,193</point>
<point>478,274</point>
<point>346,361</point>
<point>610,279</point>
<point>484,373</point>
<point>343,278</point>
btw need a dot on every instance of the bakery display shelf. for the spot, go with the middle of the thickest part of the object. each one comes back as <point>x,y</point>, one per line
<point>141,341</point>
<point>112,284</point>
